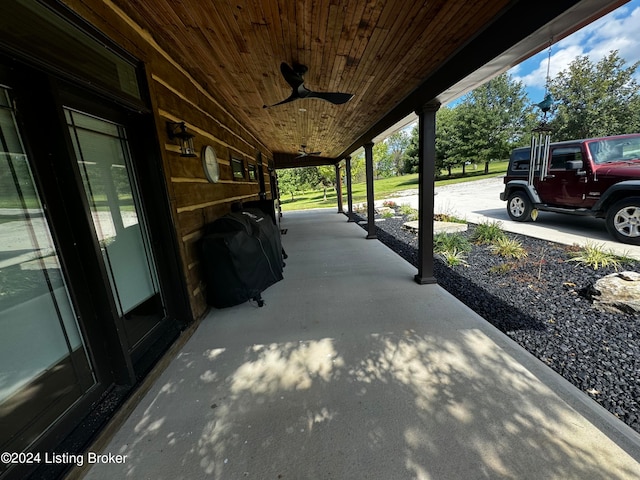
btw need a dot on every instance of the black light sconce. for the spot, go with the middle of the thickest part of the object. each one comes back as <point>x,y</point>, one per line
<point>178,130</point>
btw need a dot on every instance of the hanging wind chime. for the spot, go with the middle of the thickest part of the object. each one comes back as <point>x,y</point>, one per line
<point>541,137</point>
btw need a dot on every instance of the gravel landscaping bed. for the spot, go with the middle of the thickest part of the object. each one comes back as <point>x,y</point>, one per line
<point>542,303</point>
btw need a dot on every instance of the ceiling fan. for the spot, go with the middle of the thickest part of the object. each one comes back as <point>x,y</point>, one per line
<point>294,77</point>
<point>303,152</point>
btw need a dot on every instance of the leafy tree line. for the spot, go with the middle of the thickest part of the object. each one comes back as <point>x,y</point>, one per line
<point>590,100</point>
<point>293,180</point>
<point>593,100</point>
<point>388,161</point>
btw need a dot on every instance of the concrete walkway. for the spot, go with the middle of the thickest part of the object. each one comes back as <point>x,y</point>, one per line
<point>353,371</point>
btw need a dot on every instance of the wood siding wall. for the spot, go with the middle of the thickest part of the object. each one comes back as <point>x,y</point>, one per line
<point>175,96</point>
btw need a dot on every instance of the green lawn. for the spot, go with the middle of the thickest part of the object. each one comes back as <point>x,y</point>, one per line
<point>13,202</point>
<point>385,187</point>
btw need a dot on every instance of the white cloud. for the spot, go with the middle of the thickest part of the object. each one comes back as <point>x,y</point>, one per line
<point>615,31</point>
<point>559,61</point>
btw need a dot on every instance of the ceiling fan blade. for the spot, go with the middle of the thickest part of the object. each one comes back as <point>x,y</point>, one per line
<point>308,154</point>
<point>292,76</point>
<point>290,98</point>
<point>336,98</point>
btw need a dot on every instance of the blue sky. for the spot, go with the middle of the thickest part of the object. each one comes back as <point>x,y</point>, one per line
<point>619,30</point>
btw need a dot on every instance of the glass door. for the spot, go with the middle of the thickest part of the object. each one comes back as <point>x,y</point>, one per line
<point>44,366</point>
<point>109,183</point>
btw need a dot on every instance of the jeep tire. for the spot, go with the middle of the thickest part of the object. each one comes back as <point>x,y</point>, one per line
<point>623,220</point>
<point>519,206</point>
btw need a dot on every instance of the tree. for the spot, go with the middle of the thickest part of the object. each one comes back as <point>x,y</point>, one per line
<point>397,143</point>
<point>491,120</point>
<point>447,139</point>
<point>595,99</point>
<point>292,180</point>
<point>382,161</point>
<point>326,178</point>
<point>287,182</point>
<point>410,158</point>
<point>308,177</point>
<point>446,143</point>
<point>484,126</point>
<point>358,171</point>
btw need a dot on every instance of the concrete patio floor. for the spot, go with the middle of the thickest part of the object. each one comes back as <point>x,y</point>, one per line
<point>353,371</point>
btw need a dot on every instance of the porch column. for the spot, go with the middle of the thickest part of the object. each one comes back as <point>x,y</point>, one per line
<point>339,188</point>
<point>371,222</point>
<point>347,173</point>
<point>426,180</point>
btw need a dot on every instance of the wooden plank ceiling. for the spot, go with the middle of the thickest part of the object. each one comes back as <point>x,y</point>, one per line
<point>380,51</point>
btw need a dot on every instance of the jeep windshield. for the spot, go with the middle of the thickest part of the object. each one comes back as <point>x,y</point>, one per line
<point>615,149</point>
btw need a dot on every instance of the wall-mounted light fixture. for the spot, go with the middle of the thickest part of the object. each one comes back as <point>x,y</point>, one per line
<point>178,130</point>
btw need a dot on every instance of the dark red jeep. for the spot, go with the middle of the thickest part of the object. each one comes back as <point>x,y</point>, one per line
<point>599,177</point>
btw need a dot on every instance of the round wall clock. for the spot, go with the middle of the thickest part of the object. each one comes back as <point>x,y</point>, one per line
<point>210,164</point>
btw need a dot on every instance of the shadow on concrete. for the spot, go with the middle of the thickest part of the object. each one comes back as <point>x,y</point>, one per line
<point>396,404</point>
<point>352,370</point>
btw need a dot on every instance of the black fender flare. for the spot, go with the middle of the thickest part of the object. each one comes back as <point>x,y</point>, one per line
<point>521,185</point>
<point>630,186</point>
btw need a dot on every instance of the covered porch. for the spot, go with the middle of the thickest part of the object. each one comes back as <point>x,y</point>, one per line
<point>352,370</point>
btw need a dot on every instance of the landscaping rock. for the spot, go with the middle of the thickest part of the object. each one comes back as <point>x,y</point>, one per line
<point>618,293</point>
<point>385,210</point>
<point>438,227</point>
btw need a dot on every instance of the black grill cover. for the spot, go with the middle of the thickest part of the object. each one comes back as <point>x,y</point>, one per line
<point>242,256</point>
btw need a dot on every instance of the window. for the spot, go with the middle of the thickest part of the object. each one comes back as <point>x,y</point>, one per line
<point>520,159</point>
<point>108,177</point>
<point>560,157</point>
<point>45,366</point>
<point>25,24</point>
<point>615,149</point>
<point>237,167</point>
<point>252,173</point>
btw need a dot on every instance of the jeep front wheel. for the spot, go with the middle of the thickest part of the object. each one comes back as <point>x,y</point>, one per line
<point>623,220</point>
<point>519,207</point>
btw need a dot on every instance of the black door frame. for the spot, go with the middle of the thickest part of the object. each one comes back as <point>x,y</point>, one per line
<point>59,423</point>
<point>39,99</point>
